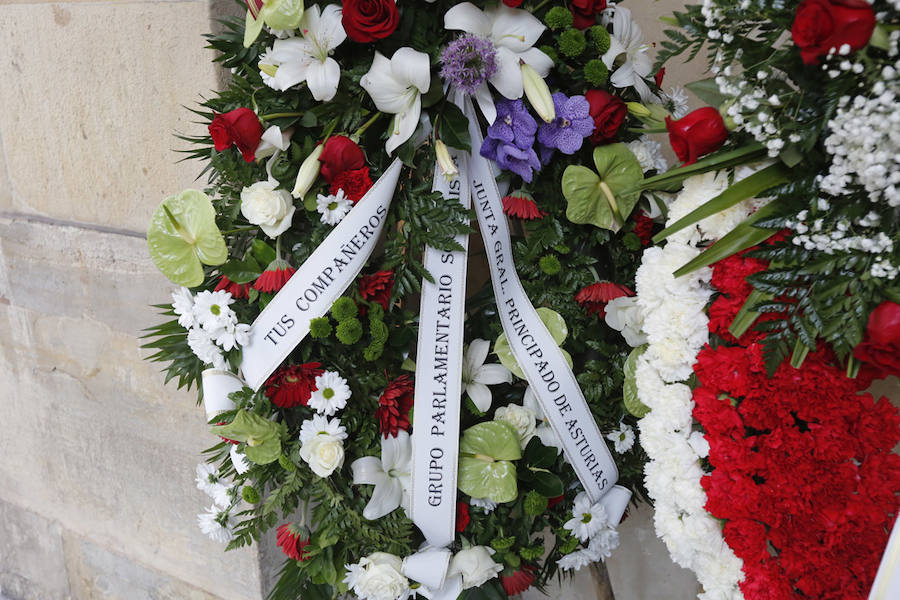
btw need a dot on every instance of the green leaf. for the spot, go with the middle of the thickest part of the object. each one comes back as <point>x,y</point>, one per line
<point>714,162</point>
<point>708,91</point>
<point>748,187</point>
<point>183,234</point>
<point>241,271</point>
<point>539,455</point>
<point>747,316</point>
<point>629,389</point>
<point>606,198</point>
<point>262,252</point>
<point>263,437</point>
<point>547,484</point>
<point>455,128</point>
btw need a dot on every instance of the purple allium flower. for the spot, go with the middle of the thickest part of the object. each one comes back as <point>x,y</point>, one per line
<point>468,62</point>
<point>514,125</point>
<point>511,158</point>
<point>572,124</point>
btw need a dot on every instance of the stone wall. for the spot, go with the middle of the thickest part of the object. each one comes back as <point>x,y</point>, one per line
<point>97,497</point>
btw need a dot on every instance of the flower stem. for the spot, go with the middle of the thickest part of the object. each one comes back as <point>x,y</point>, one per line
<point>278,248</point>
<point>648,130</point>
<point>280,115</point>
<point>238,230</point>
<point>539,6</point>
<point>366,125</point>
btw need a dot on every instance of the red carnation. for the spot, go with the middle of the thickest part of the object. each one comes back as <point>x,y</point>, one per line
<point>880,348</point>
<point>643,227</point>
<point>522,206</point>
<point>237,290</point>
<point>239,127</point>
<point>513,3</point>
<point>594,297</point>
<point>274,277</point>
<point>462,516</point>
<point>292,385</point>
<point>608,113</point>
<point>377,287</point>
<point>340,154</point>
<point>355,183</point>
<point>394,406</point>
<point>369,20</point>
<point>292,539</point>
<point>822,26</point>
<point>697,133</point>
<point>519,581</point>
<point>586,11</point>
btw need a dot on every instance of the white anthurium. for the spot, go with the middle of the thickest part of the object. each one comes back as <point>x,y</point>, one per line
<point>627,40</point>
<point>513,32</point>
<point>396,86</point>
<point>543,431</point>
<point>477,376</point>
<point>390,475</point>
<point>308,58</point>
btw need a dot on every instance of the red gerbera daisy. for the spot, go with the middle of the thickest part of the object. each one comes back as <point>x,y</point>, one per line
<point>292,385</point>
<point>462,516</point>
<point>237,290</point>
<point>355,183</point>
<point>377,287</point>
<point>518,581</point>
<point>394,406</point>
<point>551,502</point>
<point>274,277</point>
<point>643,227</point>
<point>522,206</point>
<point>594,297</point>
<point>292,539</point>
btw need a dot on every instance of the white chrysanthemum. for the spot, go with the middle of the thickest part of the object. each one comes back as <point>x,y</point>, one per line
<point>224,495</point>
<point>331,395</point>
<point>203,346</point>
<point>575,560</point>
<point>603,543</point>
<point>231,334</point>
<point>587,518</point>
<point>217,523</point>
<point>207,478</point>
<point>622,438</point>
<point>320,425</point>
<point>333,207</point>
<point>649,154</point>
<point>212,309</point>
<point>485,504</point>
<point>239,460</point>
<point>678,96</point>
<point>183,305</point>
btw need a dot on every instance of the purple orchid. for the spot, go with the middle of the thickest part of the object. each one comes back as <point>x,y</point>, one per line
<point>514,125</point>
<point>572,124</point>
<point>521,161</point>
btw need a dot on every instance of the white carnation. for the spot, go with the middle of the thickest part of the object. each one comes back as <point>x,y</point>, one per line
<point>378,577</point>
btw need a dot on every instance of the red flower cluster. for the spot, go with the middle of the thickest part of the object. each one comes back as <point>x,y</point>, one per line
<point>394,405</point>
<point>729,278</point>
<point>237,290</point>
<point>608,113</point>
<point>586,11</point>
<point>369,20</point>
<point>292,539</point>
<point>462,516</point>
<point>803,471</point>
<point>292,385</point>
<point>643,227</point>
<point>274,277</point>
<point>519,580</point>
<point>343,166</point>
<point>239,127</point>
<point>880,350</point>
<point>355,183</point>
<point>521,205</point>
<point>377,287</point>
<point>593,298</point>
<point>823,26</point>
<point>697,133</point>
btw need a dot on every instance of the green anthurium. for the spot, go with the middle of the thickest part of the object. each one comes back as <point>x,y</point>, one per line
<point>629,389</point>
<point>485,470</point>
<point>182,235</point>
<point>263,437</point>
<point>605,198</point>
<point>557,327</point>
<point>277,14</point>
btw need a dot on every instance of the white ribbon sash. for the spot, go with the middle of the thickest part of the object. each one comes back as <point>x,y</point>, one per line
<point>535,349</point>
<point>438,389</point>
<point>315,286</point>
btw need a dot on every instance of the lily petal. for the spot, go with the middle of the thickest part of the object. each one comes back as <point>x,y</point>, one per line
<point>396,452</point>
<point>405,124</point>
<point>476,354</point>
<point>530,401</point>
<point>467,17</point>
<point>492,375</point>
<point>548,437</point>
<point>388,94</point>
<point>486,102</point>
<point>508,78</point>
<point>514,28</point>
<point>538,61</point>
<point>386,498</point>
<point>480,395</point>
<point>368,470</point>
<point>411,67</point>
<point>323,78</point>
<point>331,32</point>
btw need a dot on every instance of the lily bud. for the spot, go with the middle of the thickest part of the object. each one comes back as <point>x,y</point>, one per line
<point>637,110</point>
<point>538,93</point>
<point>309,170</point>
<point>268,69</point>
<point>444,160</point>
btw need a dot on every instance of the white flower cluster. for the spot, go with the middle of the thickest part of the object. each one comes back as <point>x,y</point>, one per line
<point>676,328</point>
<point>649,153</point>
<point>865,143</point>
<point>212,325</point>
<point>322,444</point>
<point>378,576</point>
<point>589,523</point>
<point>218,521</point>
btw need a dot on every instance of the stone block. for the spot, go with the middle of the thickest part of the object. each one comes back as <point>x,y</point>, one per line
<point>32,565</point>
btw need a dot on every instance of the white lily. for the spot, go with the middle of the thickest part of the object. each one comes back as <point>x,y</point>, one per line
<point>307,58</point>
<point>627,39</point>
<point>543,431</point>
<point>477,376</point>
<point>272,144</point>
<point>390,475</point>
<point>513,32</point>
<point>396,86</point>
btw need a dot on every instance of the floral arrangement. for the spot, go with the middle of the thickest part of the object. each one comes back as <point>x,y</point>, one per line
<point>332,108</point>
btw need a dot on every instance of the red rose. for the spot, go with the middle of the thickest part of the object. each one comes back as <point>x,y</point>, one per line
<point>369,20</point>
<point>355,183</point>
<point>699,132</point>
<point>513,3</point>
<point>239,127</point>
<point>586,11</point>
<point>462,516</point>
<point>822,25</point>
<point>608,112</point>
<point>340,154</point>
<point>881,346</point>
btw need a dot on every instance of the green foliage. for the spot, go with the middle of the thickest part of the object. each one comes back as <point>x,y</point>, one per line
<point>550,264</point>
<point>572,42</point>
<point>349,331</point>
<point>343,308</point>
<point>320,328</point>
<point>250,494</point>
<point>558,17</point>
<point>596,72</point>
<point>535,503</point>
<point>600,39</point>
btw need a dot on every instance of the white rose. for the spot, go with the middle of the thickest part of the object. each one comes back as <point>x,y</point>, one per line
<point>475,565</point>
<point>324,453</point>
<point>623,314</point>
<point>271,209</point>
<point>380,578</point>
<point>523,419</point>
